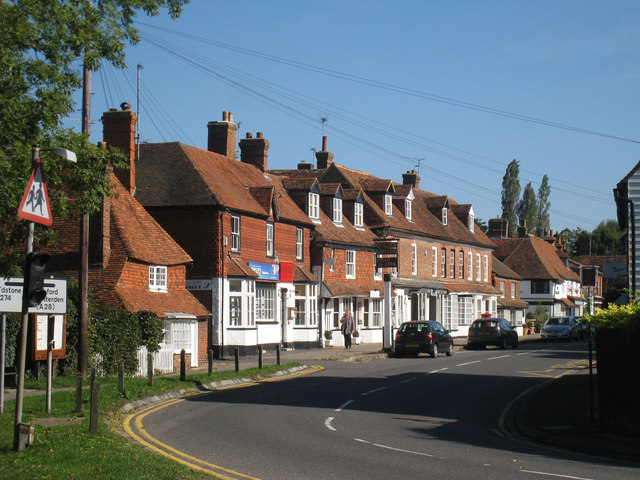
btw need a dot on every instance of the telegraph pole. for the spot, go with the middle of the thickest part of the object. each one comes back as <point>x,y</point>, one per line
<point>83,280</point>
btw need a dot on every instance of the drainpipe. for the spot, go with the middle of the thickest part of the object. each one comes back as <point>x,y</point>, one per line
<point>632,280</point>
<point>221,353</point>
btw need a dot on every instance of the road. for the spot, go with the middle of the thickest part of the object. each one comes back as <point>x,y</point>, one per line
<point>396,418</point>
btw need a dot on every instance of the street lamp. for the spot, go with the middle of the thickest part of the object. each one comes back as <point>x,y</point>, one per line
<point>22,433</point>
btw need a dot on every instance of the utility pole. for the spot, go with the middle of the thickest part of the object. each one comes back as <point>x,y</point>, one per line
<point>83,280</point>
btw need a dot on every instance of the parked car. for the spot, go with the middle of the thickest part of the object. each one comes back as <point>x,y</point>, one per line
<point>560,328</point>
<point>492,331</point>
<point>423,337</point>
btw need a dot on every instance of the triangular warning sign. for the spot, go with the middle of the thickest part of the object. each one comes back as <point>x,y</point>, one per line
<point>35,202</point>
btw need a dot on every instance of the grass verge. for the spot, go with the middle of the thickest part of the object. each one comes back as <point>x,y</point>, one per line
<point>70,451</point>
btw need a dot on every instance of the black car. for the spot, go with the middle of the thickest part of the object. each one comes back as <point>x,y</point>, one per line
<point>492,331</point>
<point>423,337</point>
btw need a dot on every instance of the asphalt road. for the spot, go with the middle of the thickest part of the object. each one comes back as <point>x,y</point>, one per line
<point>395,418</point>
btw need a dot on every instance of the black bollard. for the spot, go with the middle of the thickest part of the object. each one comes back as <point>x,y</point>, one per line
<point>210,360</point>
<point>183,366</point>
<point>150,369</point>
<point>278,354</point>
<point>95,401</point>
<point>237,356</point>
<point>121,377</point>
<point>79,392</point>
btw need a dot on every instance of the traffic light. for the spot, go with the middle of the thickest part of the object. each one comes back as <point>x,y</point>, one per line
<point>34,291</point>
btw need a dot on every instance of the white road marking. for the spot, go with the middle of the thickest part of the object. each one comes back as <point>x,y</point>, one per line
<point>467,363</point>
<point>402,450</point>
<point>407,380</point>
<point>373,391</point>
<point>522,353</point>
<point>327,423</point>
<point>555,475</point>
<point>344,405</point>
<point>360,440</point>
<point>496,358</point>
<point>439,370</point>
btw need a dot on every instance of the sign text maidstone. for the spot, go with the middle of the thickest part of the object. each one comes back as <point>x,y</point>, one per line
<point>54,302</point>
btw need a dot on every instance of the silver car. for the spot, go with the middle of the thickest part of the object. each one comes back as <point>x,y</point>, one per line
<point>560,328</point>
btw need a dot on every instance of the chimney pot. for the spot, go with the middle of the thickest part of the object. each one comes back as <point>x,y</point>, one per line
<point>324,143</point>
<point>249,135</point>
<point>258,134</point>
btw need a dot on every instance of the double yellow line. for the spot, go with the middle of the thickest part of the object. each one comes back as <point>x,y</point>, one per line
<point>133,426</point>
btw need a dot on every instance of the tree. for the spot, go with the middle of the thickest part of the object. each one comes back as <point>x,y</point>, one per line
<point>528,208</point>
<point>543,223</point>
<point>43,48</point>
<point>511,194</point>
<point>608,239</point>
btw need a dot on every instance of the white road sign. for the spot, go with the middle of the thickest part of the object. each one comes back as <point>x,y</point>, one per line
<point>54,302</point>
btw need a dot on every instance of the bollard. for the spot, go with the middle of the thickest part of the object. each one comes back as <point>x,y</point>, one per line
<point>278,354</point>
<point>150,369</point>
<point>260,357</point>
<point>121,377</point>
<point>95,401</point>
<point>79,392</point>
<point>237,355</point>
<point>210,360</point>
<point>183,358</point>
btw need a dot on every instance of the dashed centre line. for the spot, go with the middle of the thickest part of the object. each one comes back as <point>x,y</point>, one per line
<point>467,363</point>
<point>373,391</point>
<point>496,358</point>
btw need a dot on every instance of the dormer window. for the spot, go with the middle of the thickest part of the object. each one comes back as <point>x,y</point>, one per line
<point>337,210</point>
<point>358,217</point>
<point>314,206</point>
<point>444,216</point>
<point>157,278</point>
<point>388,206</point>
<point>407,209</point>
<point>472,222</point>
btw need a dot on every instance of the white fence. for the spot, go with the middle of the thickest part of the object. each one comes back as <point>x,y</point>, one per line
<point>162,360</point>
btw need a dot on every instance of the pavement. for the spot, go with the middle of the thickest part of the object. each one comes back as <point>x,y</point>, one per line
<point>557,412</point>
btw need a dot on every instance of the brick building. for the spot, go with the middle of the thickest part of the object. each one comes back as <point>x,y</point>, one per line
<point>248,239</point>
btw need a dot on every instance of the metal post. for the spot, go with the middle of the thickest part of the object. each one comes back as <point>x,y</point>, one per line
<point>3,339</point>
<point>210,360</point>
<point>278,354</point>
<point>150,369</point>
<point>19,445</point>
<point>50,325</point>
<point>237,358</point>
<point>260,357</point>
<point>121,376</point>
<point>386,331</point>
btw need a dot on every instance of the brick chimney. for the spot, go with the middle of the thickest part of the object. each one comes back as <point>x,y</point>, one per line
<point>305,166</point>
<point>324,157</point>
<point>411,178</point>
<point>254,150</point>
<point>119,130</point>
<point>222,136</point>
<point>498,228</point>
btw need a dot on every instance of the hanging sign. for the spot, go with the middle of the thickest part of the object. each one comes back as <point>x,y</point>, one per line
<point>35,205</point>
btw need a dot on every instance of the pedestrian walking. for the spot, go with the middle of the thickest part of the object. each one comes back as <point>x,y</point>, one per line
<point>348,326</point>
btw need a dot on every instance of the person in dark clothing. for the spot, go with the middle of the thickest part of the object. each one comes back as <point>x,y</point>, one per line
<point>348,326</point>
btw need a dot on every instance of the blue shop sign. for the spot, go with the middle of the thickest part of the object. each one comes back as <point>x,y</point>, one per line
<point>266,271</point>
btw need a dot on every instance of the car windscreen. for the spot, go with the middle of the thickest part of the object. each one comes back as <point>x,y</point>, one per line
<point>485,324</point>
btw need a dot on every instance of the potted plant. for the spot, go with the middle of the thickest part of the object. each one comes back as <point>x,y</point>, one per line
<point>328,338</point>
<point>356,337</point>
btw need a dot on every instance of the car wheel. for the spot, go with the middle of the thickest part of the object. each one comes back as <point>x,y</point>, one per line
<point>434,352</point>
<point>503,343</point>
<point>450,350</point>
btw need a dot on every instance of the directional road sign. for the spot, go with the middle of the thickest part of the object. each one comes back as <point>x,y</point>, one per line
<point>54,302</point>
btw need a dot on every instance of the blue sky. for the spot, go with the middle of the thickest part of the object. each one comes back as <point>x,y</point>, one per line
<point>405,84</point>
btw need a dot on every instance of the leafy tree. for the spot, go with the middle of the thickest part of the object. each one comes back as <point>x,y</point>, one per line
<point>528,208</point>
<point>482,224</point>
<point>608,239</point>
<point>543,223</point>
<point>43,48</point>
<point>510,195</point>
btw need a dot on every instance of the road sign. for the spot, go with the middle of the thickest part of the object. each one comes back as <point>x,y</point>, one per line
<point>35,205</point>
<point>54,302</point>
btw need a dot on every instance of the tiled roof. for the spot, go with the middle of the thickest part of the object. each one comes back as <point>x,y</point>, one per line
<point>471,287</point>
<point>352,288</point>
<point>174,174</point>
<point>302,275</point>
<point>502,271</point>
<point>135,298</point>
<point>533,259</point>
<point>143,239</point>
<point>328,232</point>
<point>239,268</point>
<point>512,303</point>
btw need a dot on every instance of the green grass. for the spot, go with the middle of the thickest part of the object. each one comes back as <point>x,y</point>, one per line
<point>70,451</point>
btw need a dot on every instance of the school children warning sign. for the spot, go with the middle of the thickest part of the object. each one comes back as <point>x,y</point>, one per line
<point>35,202</point>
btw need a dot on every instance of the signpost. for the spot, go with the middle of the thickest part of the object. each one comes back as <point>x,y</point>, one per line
<point>11,296</point>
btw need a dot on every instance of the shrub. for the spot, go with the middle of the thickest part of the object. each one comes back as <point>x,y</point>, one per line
<point>617,317</point>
